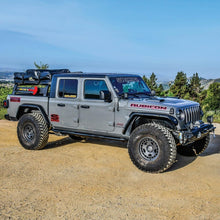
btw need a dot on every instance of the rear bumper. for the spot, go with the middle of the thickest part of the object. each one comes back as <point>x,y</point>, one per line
<point>7,117</point>
<point>189,136</point>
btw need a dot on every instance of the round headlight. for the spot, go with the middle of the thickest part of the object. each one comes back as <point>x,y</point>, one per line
<point>181,115</point>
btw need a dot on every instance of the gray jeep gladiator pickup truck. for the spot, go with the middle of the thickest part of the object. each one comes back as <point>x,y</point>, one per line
<point>112,106</point>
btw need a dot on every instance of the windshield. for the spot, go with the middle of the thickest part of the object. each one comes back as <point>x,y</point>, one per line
<point>132,85</point>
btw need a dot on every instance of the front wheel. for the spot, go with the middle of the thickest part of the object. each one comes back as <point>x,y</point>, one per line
<point>152,148</point>
<point>32,131</point>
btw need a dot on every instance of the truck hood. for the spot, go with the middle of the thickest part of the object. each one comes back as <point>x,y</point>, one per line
<point>162,102</point>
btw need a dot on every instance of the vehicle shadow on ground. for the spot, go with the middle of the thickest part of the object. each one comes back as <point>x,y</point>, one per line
<point>67,140</point>
<point>213,148</point>
<point>181,161</point>
<point>59,143</point>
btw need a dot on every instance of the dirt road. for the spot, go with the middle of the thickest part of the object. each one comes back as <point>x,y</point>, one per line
<point>95,179</point>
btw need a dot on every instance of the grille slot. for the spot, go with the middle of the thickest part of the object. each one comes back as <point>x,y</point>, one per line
<point>192,114</point>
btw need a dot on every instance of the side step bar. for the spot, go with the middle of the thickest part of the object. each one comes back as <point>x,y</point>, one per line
<point>88,135</point>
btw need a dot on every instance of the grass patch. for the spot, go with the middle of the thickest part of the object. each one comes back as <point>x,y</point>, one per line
<point>3,111</point>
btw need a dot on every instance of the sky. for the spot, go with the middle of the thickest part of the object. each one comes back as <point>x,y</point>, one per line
<point>120,36</point>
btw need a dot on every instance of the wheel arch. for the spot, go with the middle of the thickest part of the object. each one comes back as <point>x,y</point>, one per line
<point>28,108</point>
<point>136,119</point>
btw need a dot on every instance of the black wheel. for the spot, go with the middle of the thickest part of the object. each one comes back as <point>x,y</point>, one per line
<point>152,148</point>
<point>32,131</point>
<point>195,148</point>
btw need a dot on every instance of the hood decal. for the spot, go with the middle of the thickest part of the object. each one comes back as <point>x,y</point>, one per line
<point>148,106</point>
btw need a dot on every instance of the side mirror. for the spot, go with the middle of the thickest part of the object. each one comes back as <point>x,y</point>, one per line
<point>153,93</point>
<point>105,95</point>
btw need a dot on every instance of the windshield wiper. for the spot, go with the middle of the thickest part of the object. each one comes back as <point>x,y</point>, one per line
<point>143,93</point>
<point>126,94</point>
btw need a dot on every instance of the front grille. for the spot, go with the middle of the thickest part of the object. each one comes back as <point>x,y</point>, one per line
<point>192,114</point>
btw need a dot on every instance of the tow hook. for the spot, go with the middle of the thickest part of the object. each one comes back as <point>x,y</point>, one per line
<point>181,137</point>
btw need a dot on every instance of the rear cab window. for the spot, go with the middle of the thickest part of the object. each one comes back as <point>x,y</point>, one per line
<point>67,88</point>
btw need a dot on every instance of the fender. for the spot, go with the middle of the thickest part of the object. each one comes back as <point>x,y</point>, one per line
<point>133,116</point>
<point>32,107</point>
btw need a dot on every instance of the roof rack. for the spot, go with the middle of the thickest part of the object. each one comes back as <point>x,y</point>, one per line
<point>37,76</point>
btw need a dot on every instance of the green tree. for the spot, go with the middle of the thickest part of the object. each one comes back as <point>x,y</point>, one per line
<point>146,80</point>
<point>153,82</point>
<point>195,88</point>
<point>180,87</point>
<point>41,66</point>
<point>212,100</point>
<point>160,90</point>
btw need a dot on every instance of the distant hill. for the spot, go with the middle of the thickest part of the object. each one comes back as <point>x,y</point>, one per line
<point>204,83</point>
<point>6,76</point>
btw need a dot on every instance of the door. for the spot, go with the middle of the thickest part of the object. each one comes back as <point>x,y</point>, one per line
<point>96,114</point>
<point>64,108</point>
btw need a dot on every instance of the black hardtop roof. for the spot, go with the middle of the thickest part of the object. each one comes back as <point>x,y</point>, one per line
<point>91,75</point>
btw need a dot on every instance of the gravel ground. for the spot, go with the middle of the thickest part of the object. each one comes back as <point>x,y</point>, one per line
<point>95,179</point>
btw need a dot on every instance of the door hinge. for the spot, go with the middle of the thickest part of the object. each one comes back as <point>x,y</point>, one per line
<point>111,123</point>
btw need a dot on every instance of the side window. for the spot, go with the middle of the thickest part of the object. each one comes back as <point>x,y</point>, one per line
<point>92,88</point>
<point>67,88</point>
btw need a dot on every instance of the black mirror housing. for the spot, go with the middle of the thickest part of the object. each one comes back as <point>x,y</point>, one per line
<point>105,95</point>
<point>153,93</point>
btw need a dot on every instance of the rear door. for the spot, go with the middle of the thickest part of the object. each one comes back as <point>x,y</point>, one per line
<point>96,114</point>
<point>64,107</point>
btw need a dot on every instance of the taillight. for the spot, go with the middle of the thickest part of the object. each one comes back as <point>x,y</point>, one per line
<point>5,103</point>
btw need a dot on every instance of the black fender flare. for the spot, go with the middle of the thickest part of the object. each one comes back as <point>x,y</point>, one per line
<point>133,116</point>
<point>21,108</point>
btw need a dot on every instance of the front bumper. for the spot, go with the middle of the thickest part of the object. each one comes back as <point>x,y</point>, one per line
<point>196,133</point>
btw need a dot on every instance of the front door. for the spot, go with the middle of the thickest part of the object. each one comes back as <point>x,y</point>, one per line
<point>96,114</point>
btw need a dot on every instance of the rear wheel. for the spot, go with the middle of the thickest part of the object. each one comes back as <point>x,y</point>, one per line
<point>195,148</point>
<point>32,131</point>
<point>152,148</point>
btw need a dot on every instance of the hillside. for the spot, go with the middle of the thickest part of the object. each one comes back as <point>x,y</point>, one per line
<point>204,83</point>
<point>6,76</point>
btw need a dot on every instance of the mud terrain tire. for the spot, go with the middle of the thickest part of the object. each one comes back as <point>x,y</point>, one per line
<point>32,131</point>
<point>195,148</point>
<point>152,148</point>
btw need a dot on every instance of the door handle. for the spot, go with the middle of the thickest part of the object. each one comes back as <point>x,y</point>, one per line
<point>61,105</point>
<point>85,106</point>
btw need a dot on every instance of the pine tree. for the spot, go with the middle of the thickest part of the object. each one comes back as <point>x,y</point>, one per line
<point>212,100</point>
<point>195,87</point>
<point>153,82</point>
<point>160,90</point>
<point>180,86</point>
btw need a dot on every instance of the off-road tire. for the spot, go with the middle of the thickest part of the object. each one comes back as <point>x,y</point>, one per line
<point>32,131</point>
<point>195,148</point>
<point>156,137</point>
